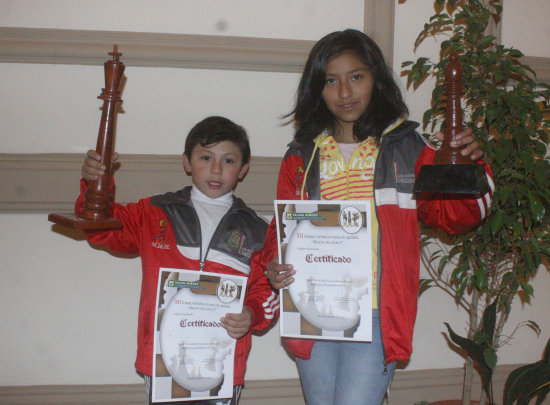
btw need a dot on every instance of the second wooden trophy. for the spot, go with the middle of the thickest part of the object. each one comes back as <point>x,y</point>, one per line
<point>452,173</point>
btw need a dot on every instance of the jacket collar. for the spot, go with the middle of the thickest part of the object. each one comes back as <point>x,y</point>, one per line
<point>310,155</point>
<point>394,133</point>
<point>183,196</point>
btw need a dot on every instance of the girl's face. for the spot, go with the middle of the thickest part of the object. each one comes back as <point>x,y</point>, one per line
<point>348,88</point>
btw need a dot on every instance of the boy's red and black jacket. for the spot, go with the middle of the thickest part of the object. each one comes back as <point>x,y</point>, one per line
<point>402,151</point>
<point>165,231</point>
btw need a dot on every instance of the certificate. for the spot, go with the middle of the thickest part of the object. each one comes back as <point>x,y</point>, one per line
<point>193,356</point>
<point>329,245</point>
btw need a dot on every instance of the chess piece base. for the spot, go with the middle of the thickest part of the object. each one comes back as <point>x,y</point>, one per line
<point>452,179</point>
<point>75,222</point>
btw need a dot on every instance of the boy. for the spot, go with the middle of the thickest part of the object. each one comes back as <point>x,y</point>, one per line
<point>191,229</point>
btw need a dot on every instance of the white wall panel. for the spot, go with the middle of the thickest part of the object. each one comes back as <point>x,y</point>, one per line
<point>526,26</point>
<point>54,108</point>
<point>304,19</point>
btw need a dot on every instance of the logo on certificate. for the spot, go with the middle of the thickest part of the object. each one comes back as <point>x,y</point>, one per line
<point>351,220</point>
<point>227,291</point>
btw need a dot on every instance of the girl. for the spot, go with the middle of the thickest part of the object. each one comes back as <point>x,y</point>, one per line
<point>353,141</point>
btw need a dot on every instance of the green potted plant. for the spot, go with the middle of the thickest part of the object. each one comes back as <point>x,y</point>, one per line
<point>508,111</point>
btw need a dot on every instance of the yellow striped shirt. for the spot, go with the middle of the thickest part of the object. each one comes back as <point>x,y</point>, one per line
<point>351,180</point>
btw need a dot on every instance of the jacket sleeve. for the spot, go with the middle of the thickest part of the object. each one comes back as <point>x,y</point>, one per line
<point>291,177</point>
<point>289,181</point>
<point>289,184</point>
<point>260,296</point>
<point>452,215</point>
<point>267,308</point>
<point>125,240</point>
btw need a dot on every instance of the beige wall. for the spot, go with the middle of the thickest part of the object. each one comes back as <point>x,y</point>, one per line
<point>69,312</point>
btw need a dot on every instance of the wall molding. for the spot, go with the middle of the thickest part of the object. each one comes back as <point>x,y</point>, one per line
<point>540,65</point>
<point>408,387</point>
<point>34,183</point>
<point>89,47</point>
<point>80,47</point>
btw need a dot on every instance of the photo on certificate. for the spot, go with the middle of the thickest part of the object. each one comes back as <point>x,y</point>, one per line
<point>329,243</point>
<point>194,355</point>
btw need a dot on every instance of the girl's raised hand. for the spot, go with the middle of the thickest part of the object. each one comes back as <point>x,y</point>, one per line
<point>465,138</point>
<point>92,167</point>
<point>279,275</point>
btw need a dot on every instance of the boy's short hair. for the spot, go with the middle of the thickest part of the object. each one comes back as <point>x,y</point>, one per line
<point>212,130</point>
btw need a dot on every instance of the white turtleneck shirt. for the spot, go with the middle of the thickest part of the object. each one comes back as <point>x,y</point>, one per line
<point>210,212</point>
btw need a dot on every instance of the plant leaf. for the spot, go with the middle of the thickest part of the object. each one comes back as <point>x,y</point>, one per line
<point>526,382</point>
<point>424,285</point>
<point>527,289</point>
<point>535,326</point>
<point>477,353</point>
<point>489,320</point>
<point>490,356</point>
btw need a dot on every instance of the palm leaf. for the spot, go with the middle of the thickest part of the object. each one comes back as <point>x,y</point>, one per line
<point>477,353</point>
<point>526,382</point>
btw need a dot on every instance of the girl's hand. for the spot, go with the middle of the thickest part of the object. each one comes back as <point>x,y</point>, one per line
<point>279,275</point>
<point>92,167</point>
<point>238,325</point>
<point>464,138</point>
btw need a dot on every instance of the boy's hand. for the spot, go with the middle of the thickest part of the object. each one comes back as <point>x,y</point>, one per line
<point>466,139</point>
<point>279,275</point>
<point>92,167</point>
<point>238,325</point>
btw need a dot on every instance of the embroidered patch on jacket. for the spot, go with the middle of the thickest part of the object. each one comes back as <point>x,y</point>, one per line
<point>160,240</point>
<point>235,240</point>
<point>401,178</point>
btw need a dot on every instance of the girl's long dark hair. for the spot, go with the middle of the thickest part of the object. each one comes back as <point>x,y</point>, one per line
<point>311,115</point>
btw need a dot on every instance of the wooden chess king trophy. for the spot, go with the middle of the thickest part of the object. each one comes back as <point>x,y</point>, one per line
<point>452,173</point>
<point>98,198</point>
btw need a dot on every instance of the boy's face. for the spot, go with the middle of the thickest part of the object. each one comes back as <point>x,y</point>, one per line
<point>215,168</point>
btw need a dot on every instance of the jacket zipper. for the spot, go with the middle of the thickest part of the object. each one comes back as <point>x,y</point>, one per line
<point>379,242</point>
<point>203,261</point>
<point>379,283</point>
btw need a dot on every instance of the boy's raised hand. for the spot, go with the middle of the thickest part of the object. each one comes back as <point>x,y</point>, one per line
<point>238,325</point>
<point>92,167</point>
